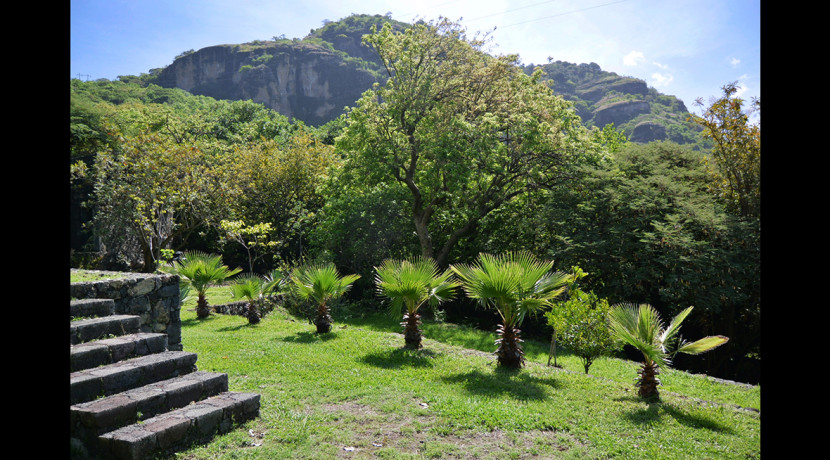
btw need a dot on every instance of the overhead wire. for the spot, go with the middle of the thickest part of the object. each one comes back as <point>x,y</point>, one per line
<point>579,10</point>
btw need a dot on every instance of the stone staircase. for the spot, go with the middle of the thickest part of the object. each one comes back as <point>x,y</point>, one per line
<point>132,398</point>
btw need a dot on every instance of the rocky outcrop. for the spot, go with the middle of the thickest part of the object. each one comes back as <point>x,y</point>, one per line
<point>299,80</point>
<point>619,112</point>
<point>648,131</point>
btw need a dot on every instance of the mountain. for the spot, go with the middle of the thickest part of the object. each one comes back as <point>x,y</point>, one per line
<point>313,79</point>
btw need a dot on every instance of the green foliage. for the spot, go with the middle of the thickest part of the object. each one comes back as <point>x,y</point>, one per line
<point>641,327</point>
<point>170,159</point>
<point>151,190</point>
<point>255,288</point>
<point>581,324</point>
<point>279,186</point>
<point>253,238</point>
<point>263,58</point>
<point>589,88</point>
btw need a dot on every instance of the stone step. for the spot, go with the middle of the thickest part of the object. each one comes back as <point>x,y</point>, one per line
<point>91,307</point>
<point>91,419</point>
<point>88,384</point>
<point>193,423</point>
<point>98,328</point>
<point>107,351</point>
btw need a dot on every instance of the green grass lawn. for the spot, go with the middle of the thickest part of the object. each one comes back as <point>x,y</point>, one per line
<point>357,393</point>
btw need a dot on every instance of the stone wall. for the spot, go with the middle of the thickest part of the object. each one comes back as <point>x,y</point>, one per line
<point>153,297</point>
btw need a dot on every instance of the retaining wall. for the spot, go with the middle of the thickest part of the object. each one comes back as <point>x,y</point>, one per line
<point>153,297</point>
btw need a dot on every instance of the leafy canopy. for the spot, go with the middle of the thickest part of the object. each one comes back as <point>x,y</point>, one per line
<point>461,131</point>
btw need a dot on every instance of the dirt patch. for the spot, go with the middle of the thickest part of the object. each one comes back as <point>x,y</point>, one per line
<point>366,432</point>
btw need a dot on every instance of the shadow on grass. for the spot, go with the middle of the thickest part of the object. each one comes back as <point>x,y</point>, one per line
<point>237,327</point>
<point>310,337</point>
<point>194,321</point>
<point>400,357</point>
<point>657,409</point>
<point>515,383</point>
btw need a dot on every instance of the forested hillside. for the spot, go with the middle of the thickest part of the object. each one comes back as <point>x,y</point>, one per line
<point>157,170</point>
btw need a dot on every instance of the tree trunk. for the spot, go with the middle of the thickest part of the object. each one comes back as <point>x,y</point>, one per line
<point>552,352</point>
<point>253,314</point>
<point>509,354</point>
<point>323,319</point>
<point>202,308</point>
<point>648,382</point>
<point>412,330</point>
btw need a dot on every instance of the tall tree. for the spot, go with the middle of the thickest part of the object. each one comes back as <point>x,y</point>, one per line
<point>462,131</point>
<point>735,161</point>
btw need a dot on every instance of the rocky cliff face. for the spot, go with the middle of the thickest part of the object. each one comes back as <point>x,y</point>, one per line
<point>299,80</point>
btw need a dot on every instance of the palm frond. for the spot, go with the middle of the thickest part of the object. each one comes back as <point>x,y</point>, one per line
<point>702,345</point>
<point>320,282</point>
<point>629,322</point>
<point>515,283</point>
<point>668,334</point>
<point>249,286</point>
<point>412,282</point>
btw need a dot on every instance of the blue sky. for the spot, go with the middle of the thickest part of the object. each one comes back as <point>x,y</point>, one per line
<point>685,48</point>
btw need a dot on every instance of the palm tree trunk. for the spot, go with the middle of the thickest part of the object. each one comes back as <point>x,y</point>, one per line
<point>202,308</point>
<point>253,314</point>
<point>323,319</point>
<point>648,381</point>
<point>412,330</point>
<point>510,353</point>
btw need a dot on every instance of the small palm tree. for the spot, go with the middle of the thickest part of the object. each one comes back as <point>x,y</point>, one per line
<point>641,327</point>
<point>321,283</point>
<point>251,287</point>
<point>200,270</point>
<point>409,284</point>
<point>515,284</point>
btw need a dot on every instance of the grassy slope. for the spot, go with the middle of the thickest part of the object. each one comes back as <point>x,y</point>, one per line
<point>357,388</point>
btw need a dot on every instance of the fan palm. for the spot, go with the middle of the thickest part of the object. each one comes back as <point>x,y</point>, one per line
<point>321,283</point>
<point>515,284</point>
<point>251,287</point>
<point>200,270</point>
<point>409,284</point>
<point>641,327</point>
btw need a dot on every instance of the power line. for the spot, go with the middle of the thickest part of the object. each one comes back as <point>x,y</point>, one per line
<point>565,13</point>
<point>510,11</point>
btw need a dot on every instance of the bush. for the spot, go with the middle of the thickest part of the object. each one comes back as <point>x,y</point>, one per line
<point>581,325</point>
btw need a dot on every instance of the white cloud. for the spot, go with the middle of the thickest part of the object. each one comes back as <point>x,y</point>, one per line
<point>661,80</point>
<point>735,62</point>
<point>742,86</point>
<point>633,58</point>
<point>660,66</point>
